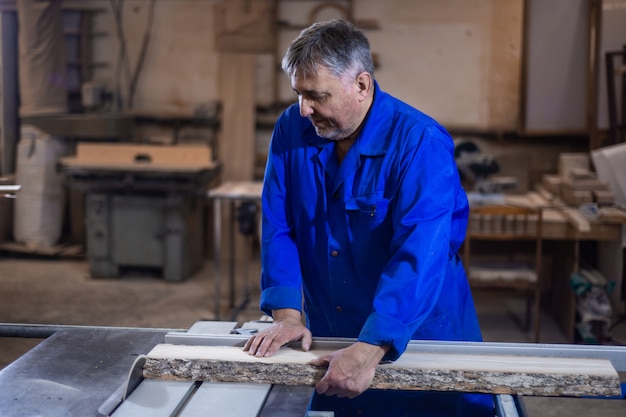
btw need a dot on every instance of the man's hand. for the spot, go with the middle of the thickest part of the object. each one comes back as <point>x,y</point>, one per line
<point>350,370</point>
<point>287,327</point>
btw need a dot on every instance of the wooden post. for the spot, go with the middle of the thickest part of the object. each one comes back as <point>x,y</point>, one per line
<point>237,136</point>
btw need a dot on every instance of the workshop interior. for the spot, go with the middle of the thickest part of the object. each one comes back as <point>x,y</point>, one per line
<point>133,142</point>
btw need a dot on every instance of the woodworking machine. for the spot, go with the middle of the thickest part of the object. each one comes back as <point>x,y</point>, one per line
<point>97,371</point>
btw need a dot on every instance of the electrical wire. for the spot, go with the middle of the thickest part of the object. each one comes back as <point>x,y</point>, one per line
<point>122,62</point>
<point>142,54</point>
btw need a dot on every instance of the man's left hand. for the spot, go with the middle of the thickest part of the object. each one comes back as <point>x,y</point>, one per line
<point>350,370</point>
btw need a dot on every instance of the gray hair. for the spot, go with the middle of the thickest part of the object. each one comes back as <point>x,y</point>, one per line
<point>336,44</point>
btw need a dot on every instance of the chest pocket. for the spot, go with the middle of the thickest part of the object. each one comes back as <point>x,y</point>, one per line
<point>371,208</point>
<point>369,227</point>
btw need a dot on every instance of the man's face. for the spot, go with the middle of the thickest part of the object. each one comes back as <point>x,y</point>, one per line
<point>329,102</point>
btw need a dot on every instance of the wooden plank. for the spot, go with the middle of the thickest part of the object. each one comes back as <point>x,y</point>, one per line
<point>576,174</point>
<point>552,183</point>
<point>576,219</point>
<point>538,200</point>
<point>544,193</point>
<point>612,215</point>
<point>531,199</point>
<point>141,158</point>
<point>72,163</point>
<point>237,141</point>
<point>573,197</point>
<point>586,184</point>
<point>574,160</point>
<point>497,374</point>
<point>130,153</point>
<point>603,196</point>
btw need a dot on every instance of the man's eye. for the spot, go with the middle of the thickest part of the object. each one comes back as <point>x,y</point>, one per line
<point>314,98</point>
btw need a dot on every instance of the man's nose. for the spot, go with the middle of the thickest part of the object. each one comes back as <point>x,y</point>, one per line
<point>306,108</point>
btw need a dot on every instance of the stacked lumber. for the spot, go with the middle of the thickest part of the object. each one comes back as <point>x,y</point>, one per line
<point>575,183</point>
<point>581,186</point>
<point>497,374</point>
<point>612,215</point>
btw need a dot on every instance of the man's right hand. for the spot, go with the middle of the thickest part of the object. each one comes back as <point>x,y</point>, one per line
<point>287,327</point>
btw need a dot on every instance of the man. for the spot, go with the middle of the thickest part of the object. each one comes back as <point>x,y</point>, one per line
<point>363,214</point>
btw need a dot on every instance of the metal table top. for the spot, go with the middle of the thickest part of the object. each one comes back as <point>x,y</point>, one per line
<point>77,369</point>
<point>72,372</point>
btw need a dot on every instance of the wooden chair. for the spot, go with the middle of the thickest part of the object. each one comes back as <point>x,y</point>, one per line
<point>508,232</point>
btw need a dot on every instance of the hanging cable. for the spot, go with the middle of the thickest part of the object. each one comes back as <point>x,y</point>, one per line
<point>122,61</point>
<point>142,54</point>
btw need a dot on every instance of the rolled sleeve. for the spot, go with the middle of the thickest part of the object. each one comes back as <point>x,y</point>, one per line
<point>275,298</point>
<point>382,330</point>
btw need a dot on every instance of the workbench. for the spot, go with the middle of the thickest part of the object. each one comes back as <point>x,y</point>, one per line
<point>563,231</point>
<point>144,206</point>
<point>558,226</point>
<point>232,192</point>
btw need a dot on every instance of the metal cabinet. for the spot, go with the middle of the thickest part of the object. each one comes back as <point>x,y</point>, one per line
<point>163,233</point>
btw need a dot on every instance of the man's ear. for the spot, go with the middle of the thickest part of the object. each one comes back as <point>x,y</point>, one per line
<point>365,84</point>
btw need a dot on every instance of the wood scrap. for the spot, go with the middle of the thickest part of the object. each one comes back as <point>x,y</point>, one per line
<point>580,223</point>
<point>573,160</point>
<point>578,174</point>
<point>587,184</point>
<point>552,183</point>
<point>603,197</point>
<point>538,200</point>
<point>573,197</point>
<point>544,193</point>
<point>531,199</point>
<point>612,215</point>
<point>498,374</point>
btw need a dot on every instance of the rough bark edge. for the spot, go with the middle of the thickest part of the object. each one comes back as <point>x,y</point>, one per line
<point>530,384</point>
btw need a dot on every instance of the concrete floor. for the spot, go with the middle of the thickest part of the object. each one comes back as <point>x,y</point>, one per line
<point>60,291</point>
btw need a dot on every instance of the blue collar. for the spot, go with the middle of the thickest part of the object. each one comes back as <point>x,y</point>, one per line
<point>373,138</point>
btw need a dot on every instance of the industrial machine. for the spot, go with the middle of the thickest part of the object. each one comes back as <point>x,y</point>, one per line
<point>97,371</point>
<point>144,206</point>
